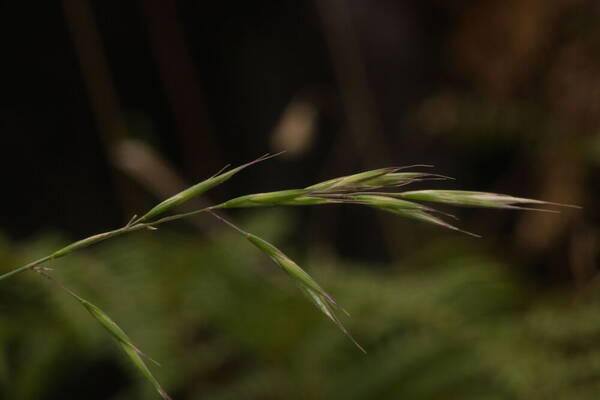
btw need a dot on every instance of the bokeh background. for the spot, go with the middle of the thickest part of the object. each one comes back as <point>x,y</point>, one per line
<point>107,107</point>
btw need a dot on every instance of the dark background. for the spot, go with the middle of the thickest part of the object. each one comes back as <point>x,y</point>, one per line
<point>108,106</point>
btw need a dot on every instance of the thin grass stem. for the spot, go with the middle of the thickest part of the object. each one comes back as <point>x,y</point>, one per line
<point>101,237</point>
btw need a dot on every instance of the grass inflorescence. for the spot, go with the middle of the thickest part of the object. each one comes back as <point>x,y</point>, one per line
<point>378,189</point>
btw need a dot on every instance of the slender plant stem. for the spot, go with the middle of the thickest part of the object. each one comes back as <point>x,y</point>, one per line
<point>131,227</point>
<point>227,222</point>
<point>25,267</point>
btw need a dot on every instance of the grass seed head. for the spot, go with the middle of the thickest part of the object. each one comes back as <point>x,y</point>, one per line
<point>350,181</point>
<point>476,199</point>
<point>329,310</point>
<point>288,265</point>
<point>383,202</point>
<point>395,179</point>
<point>111,326</point>
<point>264,199</point>
<point>119,335</point>
<point>426,216</point>
<point>196,190</point>
<point>307,284</point>
<point>141,365</point>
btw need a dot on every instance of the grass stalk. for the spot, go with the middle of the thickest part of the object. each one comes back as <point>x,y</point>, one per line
<point>376,189</point>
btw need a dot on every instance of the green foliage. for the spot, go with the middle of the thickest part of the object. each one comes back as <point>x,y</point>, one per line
<point>451,323</point>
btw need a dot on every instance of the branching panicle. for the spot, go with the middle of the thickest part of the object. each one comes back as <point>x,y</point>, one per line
<point>376,189</point>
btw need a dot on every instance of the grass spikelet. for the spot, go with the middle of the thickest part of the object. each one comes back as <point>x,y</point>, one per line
<point>350,181</point>
<point>382,177</point>
<point>294,197</point>
<point>307,284</point>
<point>477,199</point>
<point>264,199</point>
<point>117,333</point>
<point>288,265</point>
<point>328,309</point>
<point>330,190</point>
<point>310,201</point>
<point>197,189</point>
<point>426,216</point>
<point>141,365</point>
<point>134,353</point>
<point>111,326</point>
<point>383,202</point>
<point>404,208</point>
<point>395,179</point>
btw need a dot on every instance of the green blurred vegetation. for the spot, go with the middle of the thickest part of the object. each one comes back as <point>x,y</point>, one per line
<point>503,95</point>
<point>451,321</point>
